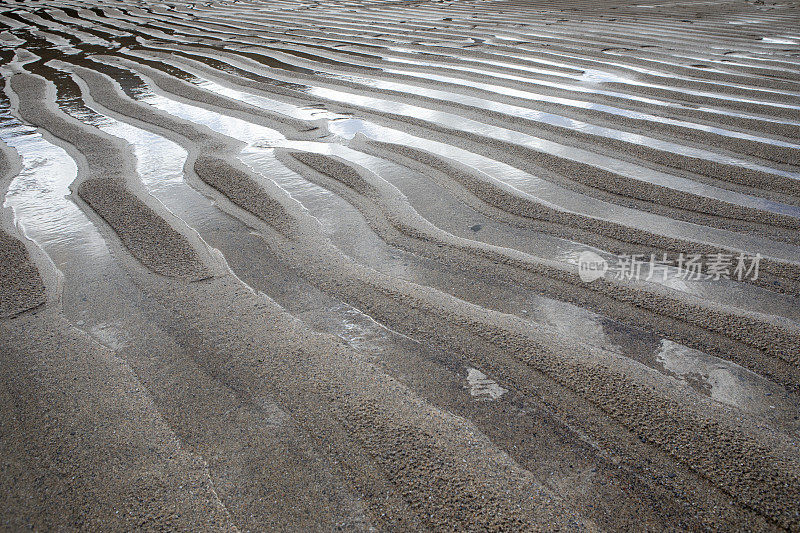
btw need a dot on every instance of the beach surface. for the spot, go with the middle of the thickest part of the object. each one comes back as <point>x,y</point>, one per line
<point>362,265</point>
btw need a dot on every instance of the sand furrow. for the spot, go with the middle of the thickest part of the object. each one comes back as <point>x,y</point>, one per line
<point>317,258</point>
<point>259,278</point>
<point>107,187</point>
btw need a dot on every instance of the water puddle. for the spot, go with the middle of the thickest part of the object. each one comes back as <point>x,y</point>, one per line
<point>160,164</point>
<point>481,387</point>
<point>726,382</point>
<point>569,102</point>
<point>554,194</point>
<point>111,334</point>
<point>627,169</point>
<point>260,140</point>
<point>778,40</point>
<point>39,196</point>
<point>589,75</point>
<point>577,125</point>
<point>671,75</point>
<point>43,206</point>
<point>606,108</point>
<point>613,165</point>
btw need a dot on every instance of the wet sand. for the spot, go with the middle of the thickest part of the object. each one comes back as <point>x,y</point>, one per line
<point>312,266</point>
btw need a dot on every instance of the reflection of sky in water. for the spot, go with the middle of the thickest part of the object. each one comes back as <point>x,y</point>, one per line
<point>515,66</point>
<point>693,232</point>
<point>38,196</point>
<point>230,126</point>
<point>550,192</point>
<point>725,381</point>
<point>652,72</point>
<point>588,105</point>
<point>159,161</point>
<point>779,40</point>
<point>594,76</point>
<point>258,138</point>
<point>566,122</point>
<point>580,103</point>
<point>338,219</point>
<point>621,167</point>
<point>348,128</point>
<point>481,387</point>
<point>721,380</point>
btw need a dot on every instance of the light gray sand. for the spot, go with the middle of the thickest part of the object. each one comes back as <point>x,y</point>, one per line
<point>22,288</point>
<point>83,446</point>
<point>155,388</point>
